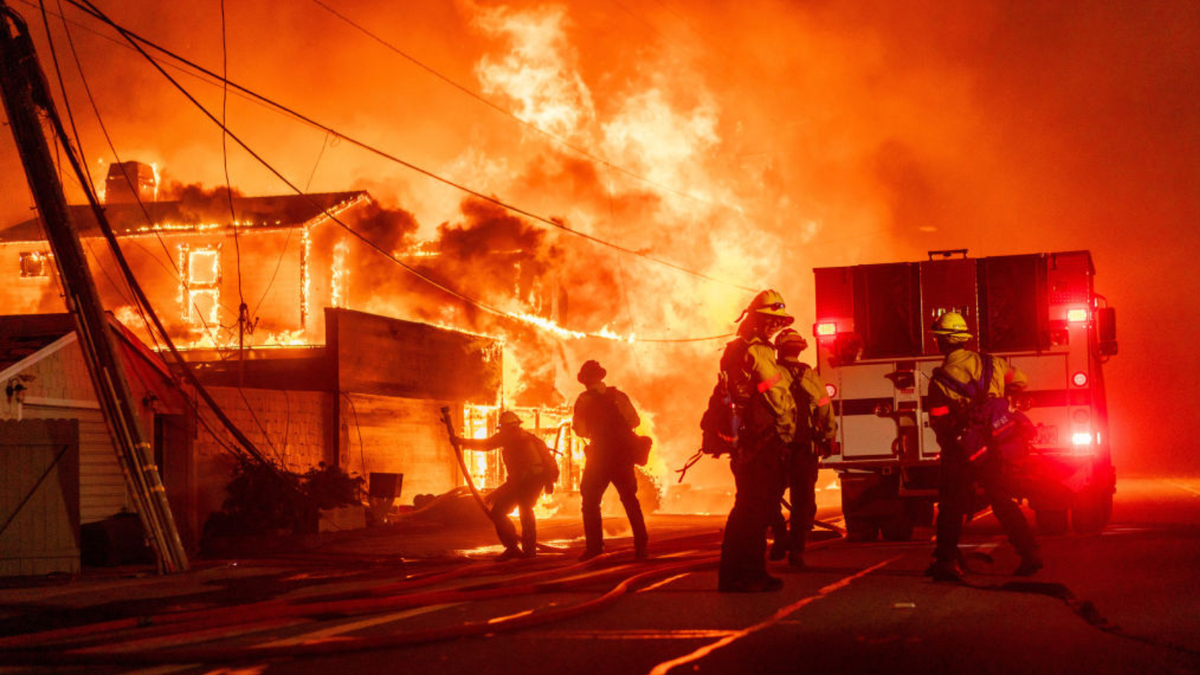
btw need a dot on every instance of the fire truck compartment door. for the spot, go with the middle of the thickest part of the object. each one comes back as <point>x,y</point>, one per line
<point>861,387</point>
<point>947,286</point>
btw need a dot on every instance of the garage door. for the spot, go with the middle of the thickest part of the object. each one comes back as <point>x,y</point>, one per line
<point>102,490</point>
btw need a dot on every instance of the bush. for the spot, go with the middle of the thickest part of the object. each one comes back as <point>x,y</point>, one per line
<point>263,499</point>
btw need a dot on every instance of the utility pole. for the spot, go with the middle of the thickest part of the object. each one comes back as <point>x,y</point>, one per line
<point>25,93</point>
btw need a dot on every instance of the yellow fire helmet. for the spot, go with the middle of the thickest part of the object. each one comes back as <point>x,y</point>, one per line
<point>509,417</point>
<point>952,327</point>
<point>770,302</point>
<point>789,344</point>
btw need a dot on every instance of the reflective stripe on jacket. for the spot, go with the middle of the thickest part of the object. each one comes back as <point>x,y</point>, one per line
<point>760,384</point>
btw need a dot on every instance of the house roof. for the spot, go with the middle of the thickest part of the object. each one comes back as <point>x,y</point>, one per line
<point>26,338</point>
<point>196,214</point>
<point>23,336</point>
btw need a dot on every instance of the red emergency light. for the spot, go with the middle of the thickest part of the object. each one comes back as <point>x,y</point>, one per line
<point>831,390</point>
<point>1079,379</point>
<point>1077,315</point>
<point>825,329</point>
<point>1081,438</point>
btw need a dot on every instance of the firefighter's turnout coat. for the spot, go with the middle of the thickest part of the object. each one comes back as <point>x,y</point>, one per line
<point>815,420</point>
<point>762,390</point>
<point>948,409</point>
<point>521,450</point>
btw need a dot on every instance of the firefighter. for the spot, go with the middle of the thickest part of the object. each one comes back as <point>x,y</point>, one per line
<point>526,462</point>
<point>606,417</point>
<point>766,415</point>
<point>964,411</point>
<point>815,431</point>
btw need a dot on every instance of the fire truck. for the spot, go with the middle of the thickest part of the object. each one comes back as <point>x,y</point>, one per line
<point>876,353</point>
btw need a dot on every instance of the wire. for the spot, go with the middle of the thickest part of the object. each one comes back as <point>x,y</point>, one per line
<point>225,163</point>
<point>511,115</point>
<point>134,39</point>
<point>65,144</point>
<point>444,288</point>
<point>137,196</point>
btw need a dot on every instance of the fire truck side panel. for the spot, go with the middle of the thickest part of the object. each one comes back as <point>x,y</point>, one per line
<point>1048,397</point>
<point>863,435</point>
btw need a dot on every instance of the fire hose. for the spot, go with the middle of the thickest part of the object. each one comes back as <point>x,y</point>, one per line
<point>59,656</point>
<point>462,462</point>
<point>317,607</point>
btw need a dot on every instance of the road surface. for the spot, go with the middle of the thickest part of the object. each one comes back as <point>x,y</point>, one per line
<point>1127,600</point>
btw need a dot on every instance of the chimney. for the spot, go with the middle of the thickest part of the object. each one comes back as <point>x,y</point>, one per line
<point>126,178</point>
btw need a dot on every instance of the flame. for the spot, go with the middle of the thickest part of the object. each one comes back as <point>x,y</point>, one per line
<point>340,274</point>
<point>536,73</point>
<point>296,337</point>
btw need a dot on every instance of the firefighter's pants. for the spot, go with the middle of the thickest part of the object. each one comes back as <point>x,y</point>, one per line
<point>598,473</point>
<point>802,466</point>
<point>759,482</point>
<point>522,494</point>
<point>956,492</point>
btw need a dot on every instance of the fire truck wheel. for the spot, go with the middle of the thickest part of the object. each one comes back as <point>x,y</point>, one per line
<point>861,529</point>
<point>1091,511</point>
<point>1051,521</point>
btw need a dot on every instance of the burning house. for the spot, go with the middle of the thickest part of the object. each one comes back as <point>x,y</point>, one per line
<point>315,380</point>
<point>199,256</point>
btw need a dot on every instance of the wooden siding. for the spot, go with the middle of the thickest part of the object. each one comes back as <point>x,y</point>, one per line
<point>399,435</point>
<point>295,429</point>
<point>391,357</point>
<point>43,535</point>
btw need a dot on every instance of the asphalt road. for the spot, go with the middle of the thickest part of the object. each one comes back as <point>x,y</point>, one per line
<point>1125,601</point>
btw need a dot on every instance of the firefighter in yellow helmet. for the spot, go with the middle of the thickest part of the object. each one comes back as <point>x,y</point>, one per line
<point>969,413</point>
<point>529,467</point>
<point>759,389</point>
<point>815,431</point>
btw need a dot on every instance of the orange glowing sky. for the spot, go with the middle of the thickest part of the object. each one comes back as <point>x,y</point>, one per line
<point>806,134</point>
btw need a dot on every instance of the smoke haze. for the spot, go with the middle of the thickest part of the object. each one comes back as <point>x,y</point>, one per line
<point>766,138</point>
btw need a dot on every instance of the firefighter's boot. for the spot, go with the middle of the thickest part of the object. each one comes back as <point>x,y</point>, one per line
<point>779,549</point>
<point>512,552</point>
<point>763,584</point>
<point>1030,564</point>
<point>590,552</point>
<point>945,571</point>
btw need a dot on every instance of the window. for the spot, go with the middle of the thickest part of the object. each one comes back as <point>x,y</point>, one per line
<point>201,289</point>
<point>34,264</point>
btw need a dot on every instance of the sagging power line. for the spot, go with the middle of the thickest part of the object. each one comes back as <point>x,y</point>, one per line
<point>137,40</point>
<point>528,319</point>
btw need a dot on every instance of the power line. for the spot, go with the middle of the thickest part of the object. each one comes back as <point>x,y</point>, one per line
<point>446,289</point>
<point>112,148</point>
<point>134,39</point>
